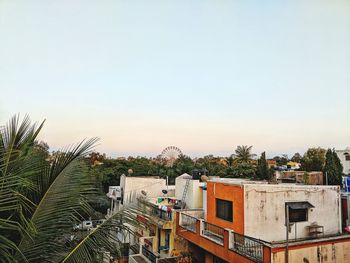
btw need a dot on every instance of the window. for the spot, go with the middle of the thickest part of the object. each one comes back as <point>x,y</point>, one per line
<point>224,209</point>
<point>167,239</point>
<point>298,211</point>
<point>297,215</point>
<point>347,156</point>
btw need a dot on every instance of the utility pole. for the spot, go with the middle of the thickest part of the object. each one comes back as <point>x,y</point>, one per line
<point>287,231</point>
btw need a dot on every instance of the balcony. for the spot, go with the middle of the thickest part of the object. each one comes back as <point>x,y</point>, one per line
<point>247,246</point>
<point>152,257</point>
<point>188,222</point>
<point>152,210</point>
<point>213,232</point>
<point>165,215</point>
<point>224,243</point>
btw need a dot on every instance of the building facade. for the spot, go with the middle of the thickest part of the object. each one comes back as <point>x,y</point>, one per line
<point>246,222</point>
<point>344,156</point>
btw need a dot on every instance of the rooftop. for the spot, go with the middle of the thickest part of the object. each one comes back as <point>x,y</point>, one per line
<point>241,182</point>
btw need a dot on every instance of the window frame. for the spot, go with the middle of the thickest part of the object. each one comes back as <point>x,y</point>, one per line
<point>304,219</point>
<point>230,214</point>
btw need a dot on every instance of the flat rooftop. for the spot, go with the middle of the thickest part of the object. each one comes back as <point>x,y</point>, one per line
<point>241,182</point>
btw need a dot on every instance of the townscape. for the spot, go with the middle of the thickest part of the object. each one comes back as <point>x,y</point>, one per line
<point>174,131</point>
<point>78,205</point>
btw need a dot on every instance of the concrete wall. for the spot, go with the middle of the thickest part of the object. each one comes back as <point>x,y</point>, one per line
<point>346,164</point>
<point>337,252</point>
<point>264,213</point>
<point>312,178</point>
<point>228,192</point>
<point>205,203</point>
<point>132,187</point>
<point>194,196</point>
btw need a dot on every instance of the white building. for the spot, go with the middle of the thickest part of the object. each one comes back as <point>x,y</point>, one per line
<point>344,156</point>
<point>264,213</point>
<point>194,194</point>
<point>132,187</point>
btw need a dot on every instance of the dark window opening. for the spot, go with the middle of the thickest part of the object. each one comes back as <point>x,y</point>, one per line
<point>297,215</point>
<point>224,209</point>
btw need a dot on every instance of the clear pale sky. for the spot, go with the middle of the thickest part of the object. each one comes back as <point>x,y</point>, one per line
<point>205,76</point>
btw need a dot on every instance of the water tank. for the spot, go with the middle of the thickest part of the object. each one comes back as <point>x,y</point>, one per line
<point>196,174</point>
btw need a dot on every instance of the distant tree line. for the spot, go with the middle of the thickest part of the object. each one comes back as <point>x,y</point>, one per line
<point>243,163</point>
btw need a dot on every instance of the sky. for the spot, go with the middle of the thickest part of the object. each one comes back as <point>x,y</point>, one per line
<point>204,76</point>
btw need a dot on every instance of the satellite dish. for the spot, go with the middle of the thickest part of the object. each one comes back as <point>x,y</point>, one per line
<point>144,192</point>
<point>164,191</point>
<point>204,178</point>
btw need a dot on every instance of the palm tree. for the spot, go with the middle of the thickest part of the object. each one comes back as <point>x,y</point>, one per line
<point>243,154</point>
<point>41,199</point>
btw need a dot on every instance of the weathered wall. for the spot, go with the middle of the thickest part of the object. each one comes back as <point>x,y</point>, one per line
<point>194,196</point>
<point>132,187</point>
<point>338,252</point>
<point>312,178</point>
<point>346,163</point>
<point>265,214</point>
<point>232,193</point>
<point>211,247</point>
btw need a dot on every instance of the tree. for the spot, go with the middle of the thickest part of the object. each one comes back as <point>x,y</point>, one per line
<point>243,154</point>
<point>42,199</point>
<point>242,170</point>
<point>333,168</point>
<point>262,170</point>
<point>281,160</point>
<point>296,158</point>
<point>314,159</point>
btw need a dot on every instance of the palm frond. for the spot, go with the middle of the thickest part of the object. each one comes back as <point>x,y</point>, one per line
<point>104,237</point>
<point>63,197</point>
<point>16,168</point>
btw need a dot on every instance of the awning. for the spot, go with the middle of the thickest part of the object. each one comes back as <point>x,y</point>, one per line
<point>299,205</point>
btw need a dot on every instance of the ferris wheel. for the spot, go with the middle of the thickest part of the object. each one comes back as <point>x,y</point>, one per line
<point>170,154</point>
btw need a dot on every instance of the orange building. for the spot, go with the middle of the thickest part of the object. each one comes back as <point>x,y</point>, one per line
<point>245,221</point>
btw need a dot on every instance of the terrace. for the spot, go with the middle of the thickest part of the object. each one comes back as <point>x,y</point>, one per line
<point>220,241</point>
<point>146,254</point>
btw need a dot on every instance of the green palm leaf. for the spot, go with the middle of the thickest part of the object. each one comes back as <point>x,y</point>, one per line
<point>63,197</point>
<point>104,237</point>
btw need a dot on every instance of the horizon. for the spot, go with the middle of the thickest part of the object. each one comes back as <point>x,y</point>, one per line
<point>203,76</point>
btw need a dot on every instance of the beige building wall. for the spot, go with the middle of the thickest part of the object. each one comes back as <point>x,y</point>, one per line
<point>346,163</point>
<point>132,187</point>
<point>335,253</point>
<point>194,196</point>
<point>264,210</point>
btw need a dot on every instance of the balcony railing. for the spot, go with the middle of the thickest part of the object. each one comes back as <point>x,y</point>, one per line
<point>213,232</point>
<point>167,260</point>
<point>247,246</point>
<point>149,254</point>
<point>135,248</point>
<point>242,245</point>
<point>188,222</point>
<point>165,215</point>
<point>155,211</point>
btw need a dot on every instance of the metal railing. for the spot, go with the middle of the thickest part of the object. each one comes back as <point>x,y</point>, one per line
<point>213,232</point>
<point>165,215</point>
<point>135,248</point>
<point>247,246</point>
<point>149,254</point>
<point>188,222</point>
